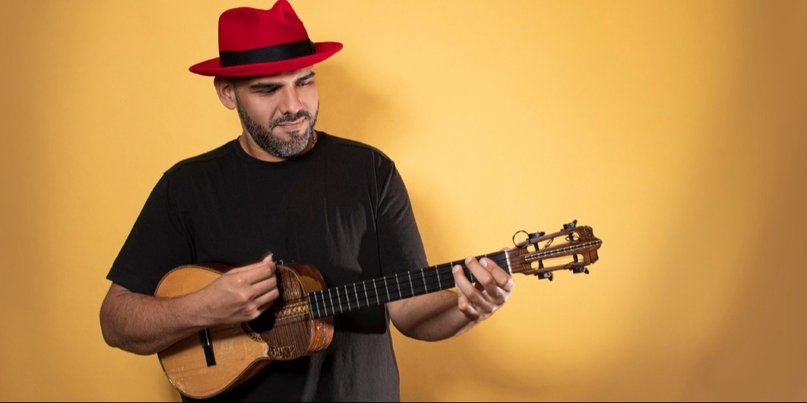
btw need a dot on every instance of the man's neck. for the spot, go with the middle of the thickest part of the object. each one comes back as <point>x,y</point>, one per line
<point>255,151</point>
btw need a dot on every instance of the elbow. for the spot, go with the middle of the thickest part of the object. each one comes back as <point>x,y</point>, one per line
<point>112,330</point>
<point>424,333</point>
<point>104,318</point>
<point>113,338</point>
<point>417,331</point>
<point>422,336</point>
<point>108,329</point>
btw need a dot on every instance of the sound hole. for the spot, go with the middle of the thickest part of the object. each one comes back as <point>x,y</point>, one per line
<point>263,323</point>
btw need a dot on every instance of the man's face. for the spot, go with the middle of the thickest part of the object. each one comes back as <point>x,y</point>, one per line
<point>279,112</point>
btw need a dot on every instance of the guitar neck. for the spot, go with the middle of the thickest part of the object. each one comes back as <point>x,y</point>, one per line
<point>378,291</point>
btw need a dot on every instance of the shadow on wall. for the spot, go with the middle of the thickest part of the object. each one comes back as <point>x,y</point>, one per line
<point>352,110</point>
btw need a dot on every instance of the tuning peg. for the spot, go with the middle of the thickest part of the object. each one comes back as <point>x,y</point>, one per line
<point>535,235</point>
<point>577,269</point>
<point>545,275</point>
<point>570,225</point>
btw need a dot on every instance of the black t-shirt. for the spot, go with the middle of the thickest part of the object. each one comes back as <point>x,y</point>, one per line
<point>342,207</point>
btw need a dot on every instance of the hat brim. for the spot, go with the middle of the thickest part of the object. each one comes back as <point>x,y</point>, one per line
<point>212,67</point>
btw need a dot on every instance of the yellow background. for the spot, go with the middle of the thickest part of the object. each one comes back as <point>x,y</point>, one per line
<point>676,129</point>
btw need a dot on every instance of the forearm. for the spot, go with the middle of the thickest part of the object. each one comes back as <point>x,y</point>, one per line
<point>143,324</point>
<point>445,314</point>
<point>430,317</point>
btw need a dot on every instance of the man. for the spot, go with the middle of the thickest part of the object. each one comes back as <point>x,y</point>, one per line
<point>283,189</point>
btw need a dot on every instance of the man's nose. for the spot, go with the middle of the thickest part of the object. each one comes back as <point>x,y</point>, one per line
<point>291,102</point>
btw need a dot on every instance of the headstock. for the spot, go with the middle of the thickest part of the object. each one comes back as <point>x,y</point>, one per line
<point>572,248</point>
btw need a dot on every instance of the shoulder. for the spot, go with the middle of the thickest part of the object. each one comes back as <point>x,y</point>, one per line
<point>203,163</point>
<point>350,149</point>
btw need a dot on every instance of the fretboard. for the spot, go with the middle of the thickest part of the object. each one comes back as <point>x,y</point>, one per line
<point>375,292</point>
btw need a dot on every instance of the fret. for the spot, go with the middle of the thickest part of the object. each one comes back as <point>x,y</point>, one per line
<point>398,282</point>
<point>316,306</point>
<point>324,304</point>
<point>440,286</point>
<point>423,276</point>
<point>451,269</point>
<point>507,261</point>
<point>324,308</point>
<point>366,296</point>
<point>376,293</point>
<point>358,304</point>
<point>339,299</point>
<point>347,298</point>
<point>387,288</point>
<point>411,287</point>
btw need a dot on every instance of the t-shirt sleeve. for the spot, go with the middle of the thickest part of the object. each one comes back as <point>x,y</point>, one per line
<point>158,242</point>
<point>400,244</point>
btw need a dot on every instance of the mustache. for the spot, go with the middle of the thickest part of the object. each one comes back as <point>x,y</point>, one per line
<point>290,117</point>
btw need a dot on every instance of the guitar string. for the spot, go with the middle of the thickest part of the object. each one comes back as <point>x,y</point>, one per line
<point>404,291</point>
<point>432,280</point>
<point>435,273</point>
<point>395,277</point>
<point>368,300</point>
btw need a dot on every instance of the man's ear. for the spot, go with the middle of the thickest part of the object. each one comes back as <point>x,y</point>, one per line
<point>226,91</point>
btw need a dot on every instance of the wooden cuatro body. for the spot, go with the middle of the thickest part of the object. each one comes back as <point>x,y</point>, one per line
<point>233,353</point>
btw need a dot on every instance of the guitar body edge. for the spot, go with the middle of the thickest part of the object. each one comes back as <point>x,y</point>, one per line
<point>235,352</point>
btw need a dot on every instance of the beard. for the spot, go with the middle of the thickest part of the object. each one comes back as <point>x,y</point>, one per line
<point>299,141</point>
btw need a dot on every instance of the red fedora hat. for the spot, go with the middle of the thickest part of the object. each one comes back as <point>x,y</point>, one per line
<point>255,42</point>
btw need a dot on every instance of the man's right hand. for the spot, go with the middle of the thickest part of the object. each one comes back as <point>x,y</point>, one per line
<point>243,293</point>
